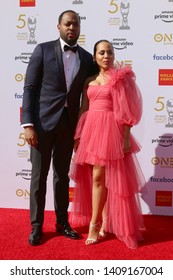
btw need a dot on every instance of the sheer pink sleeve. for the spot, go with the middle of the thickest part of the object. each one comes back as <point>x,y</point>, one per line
<point>127,98</point>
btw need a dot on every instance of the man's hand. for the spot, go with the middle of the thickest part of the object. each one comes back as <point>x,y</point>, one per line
<point>31,136</point>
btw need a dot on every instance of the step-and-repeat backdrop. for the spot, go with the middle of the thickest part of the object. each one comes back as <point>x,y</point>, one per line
<point>142,35</point>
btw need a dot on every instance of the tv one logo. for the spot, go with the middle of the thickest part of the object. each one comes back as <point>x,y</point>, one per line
<point>22,193</point>
<point>20,77</point>
<point>162,162</point>
<point>163,38</point>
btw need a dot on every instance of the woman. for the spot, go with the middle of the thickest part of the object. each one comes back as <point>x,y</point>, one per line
<point>106,172</point>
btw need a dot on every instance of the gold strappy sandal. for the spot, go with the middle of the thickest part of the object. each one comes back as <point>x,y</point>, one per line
<point>102,232</point>
<point>96,227</point>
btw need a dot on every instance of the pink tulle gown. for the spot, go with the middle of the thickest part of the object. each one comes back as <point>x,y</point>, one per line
<point>100,130</point>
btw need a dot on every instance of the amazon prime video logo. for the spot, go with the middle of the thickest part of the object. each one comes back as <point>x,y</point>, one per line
<point>121,43</point>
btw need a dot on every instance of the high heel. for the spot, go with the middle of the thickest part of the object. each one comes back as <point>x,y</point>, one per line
<point>96,228</point>
<point>102,232</point>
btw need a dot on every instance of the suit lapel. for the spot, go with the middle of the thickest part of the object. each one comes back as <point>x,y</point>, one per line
<point>81,70</point>
<point>59,59</point>
<point>58,54</point>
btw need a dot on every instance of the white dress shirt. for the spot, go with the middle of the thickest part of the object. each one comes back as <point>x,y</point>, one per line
<point>71,64</point>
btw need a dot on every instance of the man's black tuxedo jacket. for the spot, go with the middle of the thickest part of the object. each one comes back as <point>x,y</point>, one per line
<point>45,91</point>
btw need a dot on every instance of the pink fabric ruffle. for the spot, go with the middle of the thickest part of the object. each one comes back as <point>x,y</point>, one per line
<point>128,101</point>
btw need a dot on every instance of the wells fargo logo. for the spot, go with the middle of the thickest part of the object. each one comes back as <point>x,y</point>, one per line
<point>164,198</point>
<point>166,77</point>
<point>27,3</point>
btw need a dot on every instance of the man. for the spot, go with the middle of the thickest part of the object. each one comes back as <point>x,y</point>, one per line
<point>51,99</point>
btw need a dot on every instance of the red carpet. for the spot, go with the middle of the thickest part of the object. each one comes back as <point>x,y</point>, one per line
<point>15,228</point>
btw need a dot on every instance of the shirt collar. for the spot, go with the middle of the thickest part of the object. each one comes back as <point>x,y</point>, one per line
<point>63,43</point>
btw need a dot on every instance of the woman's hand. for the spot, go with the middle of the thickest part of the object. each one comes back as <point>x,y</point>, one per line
<point>126,145</point>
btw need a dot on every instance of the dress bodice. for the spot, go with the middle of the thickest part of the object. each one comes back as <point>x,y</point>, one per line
<point>120,95</point>
<point>100,98</point>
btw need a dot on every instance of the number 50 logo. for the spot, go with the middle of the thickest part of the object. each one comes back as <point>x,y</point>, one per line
<point>22,141</point>
<point>21,20</point>
<point>160,104</point>
<point>114,7</point>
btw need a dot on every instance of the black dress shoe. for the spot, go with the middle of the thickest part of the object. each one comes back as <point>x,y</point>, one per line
<point>66,230</point>
<point>35,236</point>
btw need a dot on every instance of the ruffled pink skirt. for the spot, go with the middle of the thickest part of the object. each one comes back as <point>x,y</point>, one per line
<point>102,145</point>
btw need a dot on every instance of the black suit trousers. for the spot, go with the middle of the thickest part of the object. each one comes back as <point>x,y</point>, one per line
<point>55,146</point>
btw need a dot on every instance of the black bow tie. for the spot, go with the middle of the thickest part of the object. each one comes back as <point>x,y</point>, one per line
<point>73,49</point>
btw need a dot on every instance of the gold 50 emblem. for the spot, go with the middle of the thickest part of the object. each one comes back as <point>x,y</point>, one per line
<point>114,7</point>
